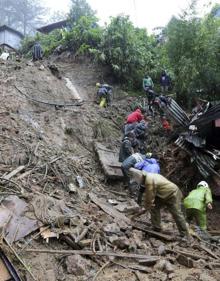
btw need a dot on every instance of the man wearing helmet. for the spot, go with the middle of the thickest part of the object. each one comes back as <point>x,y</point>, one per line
<point>196,203</point>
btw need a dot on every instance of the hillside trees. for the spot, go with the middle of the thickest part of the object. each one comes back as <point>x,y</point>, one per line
<point>192,47</point>
<point>23,15</point>
<point>78,9</point>
<point>127,50</point>
<point>189,49</point>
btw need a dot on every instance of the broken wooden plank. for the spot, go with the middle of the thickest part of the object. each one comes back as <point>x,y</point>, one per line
<point>109,161</point>
<point>13,173</point>
<point>208,251</point>
<point>134,267</point>
<point>91,253</point>
<point>107,208</point>
<point>153,233</point>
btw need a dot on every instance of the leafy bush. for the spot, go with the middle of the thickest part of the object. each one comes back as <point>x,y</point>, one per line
<point>48,42</point>
<point>127,50</point>
<point>193,47</point>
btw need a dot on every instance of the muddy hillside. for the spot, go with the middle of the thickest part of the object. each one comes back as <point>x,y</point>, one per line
<point>61,217</point>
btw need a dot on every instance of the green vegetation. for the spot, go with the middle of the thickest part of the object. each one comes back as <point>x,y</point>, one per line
<point>188,48</point>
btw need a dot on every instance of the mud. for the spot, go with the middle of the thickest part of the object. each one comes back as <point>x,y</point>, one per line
<point>56,145</point>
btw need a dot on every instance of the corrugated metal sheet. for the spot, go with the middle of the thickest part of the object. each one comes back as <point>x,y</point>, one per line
<point>177,113</point>
<point>211,114</point>
<point>205,160</point>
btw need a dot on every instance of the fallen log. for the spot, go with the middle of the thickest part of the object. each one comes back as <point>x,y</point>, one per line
<point>91,253</point>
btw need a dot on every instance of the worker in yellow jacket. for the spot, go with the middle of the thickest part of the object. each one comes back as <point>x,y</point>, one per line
<point>196,203</point>
<point>160,192</point>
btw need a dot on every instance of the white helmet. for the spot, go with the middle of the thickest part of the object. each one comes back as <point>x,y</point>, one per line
<point>203,183</point>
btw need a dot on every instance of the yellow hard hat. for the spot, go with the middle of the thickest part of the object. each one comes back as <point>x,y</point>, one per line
<point>98,84</point>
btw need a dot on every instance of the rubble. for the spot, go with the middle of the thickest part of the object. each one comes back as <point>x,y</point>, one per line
<point>183,260</point>
<point>13,220</point>
<point>91,231</point>
<point>199,135</point>
<point>77,265</point>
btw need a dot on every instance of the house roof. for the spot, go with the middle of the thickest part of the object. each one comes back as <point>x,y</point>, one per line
<point>5,27</point>
<point>50,27</point>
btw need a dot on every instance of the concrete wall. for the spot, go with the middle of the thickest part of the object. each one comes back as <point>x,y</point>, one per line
<point>9,38</point>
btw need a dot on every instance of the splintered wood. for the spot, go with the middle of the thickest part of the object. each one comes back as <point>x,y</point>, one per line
<point>109,161</point>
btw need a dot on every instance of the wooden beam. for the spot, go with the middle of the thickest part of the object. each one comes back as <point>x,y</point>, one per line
<point>91,253</point>
<point>107,208</point>
<point>13,173</point>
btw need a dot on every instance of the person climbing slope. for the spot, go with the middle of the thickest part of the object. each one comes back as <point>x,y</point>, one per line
<point>129,145</point>
<point>104,91</point>
<point>147,83</point>
<point>37,52</point>
<point>196,203</point>
<point>135,116</point>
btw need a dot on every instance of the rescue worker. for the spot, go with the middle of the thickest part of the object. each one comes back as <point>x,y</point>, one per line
<point>149,165</point>
<point>104,90</point>
<point>166,124</point>
<point>130,162</point>
<point>37,52</point>
<point>129,127</point>
<point>196,203</point>
<point>164,81</point>
<point>147,83</point>
<point>140,132</point>
<point>129,145</point>
<point>135,116</point>
<point>160,192</point>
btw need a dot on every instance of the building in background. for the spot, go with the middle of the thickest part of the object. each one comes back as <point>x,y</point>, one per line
<point>10,39</point>
<point>50,27</point>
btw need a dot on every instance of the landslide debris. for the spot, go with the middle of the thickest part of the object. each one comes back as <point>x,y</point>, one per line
<point>53,148</point>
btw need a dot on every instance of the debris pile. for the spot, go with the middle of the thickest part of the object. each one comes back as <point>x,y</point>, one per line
<point>60,219</point>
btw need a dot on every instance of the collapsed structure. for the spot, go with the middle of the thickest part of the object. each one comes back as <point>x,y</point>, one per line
<point>199,136</point>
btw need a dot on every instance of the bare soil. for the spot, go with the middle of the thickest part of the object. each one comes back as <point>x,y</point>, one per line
<point>35,134</point>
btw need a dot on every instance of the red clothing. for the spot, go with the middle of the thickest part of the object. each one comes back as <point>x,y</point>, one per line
<point>166,125</point>
<point>135,116</point>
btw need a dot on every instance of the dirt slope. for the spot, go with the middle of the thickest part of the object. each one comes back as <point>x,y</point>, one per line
<point>56,144</point>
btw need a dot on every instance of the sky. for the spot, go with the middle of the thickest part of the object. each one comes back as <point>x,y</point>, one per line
<point>143,13</point>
